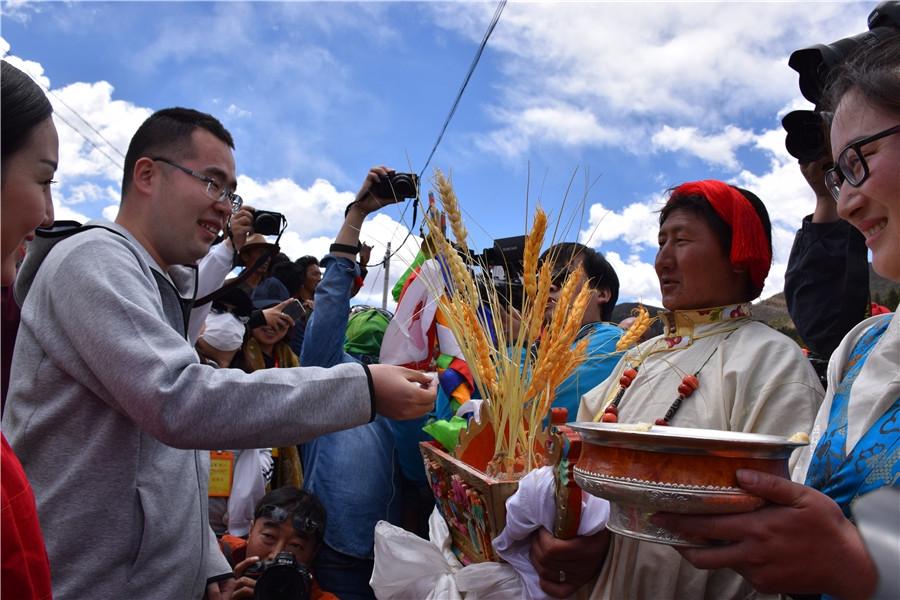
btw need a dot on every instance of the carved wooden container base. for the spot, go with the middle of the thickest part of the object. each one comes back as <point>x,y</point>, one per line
<point>472,503</point>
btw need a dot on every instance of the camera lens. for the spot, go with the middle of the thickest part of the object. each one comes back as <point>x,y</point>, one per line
<point>266,224</point>
<point>805,135</point>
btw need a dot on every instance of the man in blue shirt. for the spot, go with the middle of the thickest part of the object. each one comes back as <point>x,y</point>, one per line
<point>353,473</point>
<point>601,353</point>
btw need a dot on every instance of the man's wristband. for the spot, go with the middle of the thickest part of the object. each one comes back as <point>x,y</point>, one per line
<point>347,248</point>
<point>371,383</point>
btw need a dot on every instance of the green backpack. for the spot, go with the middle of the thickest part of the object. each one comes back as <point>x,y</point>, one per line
<point>365,330</point>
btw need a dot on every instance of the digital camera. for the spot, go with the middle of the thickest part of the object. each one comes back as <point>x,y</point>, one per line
<point>281,578</point>
<point>396,185</point>
<point>267,222</point>
<point>807,129</point>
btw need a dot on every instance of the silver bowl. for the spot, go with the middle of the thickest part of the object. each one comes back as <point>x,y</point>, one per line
<point>642,471</point>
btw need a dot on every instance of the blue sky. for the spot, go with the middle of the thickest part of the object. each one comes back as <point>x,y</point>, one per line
<point>621,100</point>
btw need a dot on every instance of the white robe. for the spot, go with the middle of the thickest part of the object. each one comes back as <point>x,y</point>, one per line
<point>756,380</point>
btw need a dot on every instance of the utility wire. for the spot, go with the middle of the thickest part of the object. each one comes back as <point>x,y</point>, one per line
<point>89,141</point>
<point>83,120</point>
<point>462,88</point>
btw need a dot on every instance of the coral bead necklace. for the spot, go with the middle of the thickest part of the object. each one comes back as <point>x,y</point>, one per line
<point>689,384</point>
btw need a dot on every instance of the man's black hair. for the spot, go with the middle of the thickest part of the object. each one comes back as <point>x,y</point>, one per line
<point>303,263</point>
<point>22,108</point>
<point>291,275</point>
<point>297,503</point>
<point>701,207</point>
<point>168,131</point>
<point>600,273</point>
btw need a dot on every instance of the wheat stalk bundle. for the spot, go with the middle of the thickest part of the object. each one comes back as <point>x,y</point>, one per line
<point>518,383</point>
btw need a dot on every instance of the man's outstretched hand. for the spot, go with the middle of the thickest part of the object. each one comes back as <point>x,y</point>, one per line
<point>402,393</point>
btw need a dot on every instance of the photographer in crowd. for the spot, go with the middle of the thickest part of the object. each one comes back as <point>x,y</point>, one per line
<point>351,471</point>
<point>286,520</point>
<point>102,348</point>
<point>826,285</point>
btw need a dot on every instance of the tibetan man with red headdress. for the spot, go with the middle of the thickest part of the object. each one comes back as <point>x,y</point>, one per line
<point>713,368</point>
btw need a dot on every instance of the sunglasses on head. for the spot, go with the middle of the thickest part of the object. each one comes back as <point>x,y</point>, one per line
<point>559,276</point>
<point>303,524</point>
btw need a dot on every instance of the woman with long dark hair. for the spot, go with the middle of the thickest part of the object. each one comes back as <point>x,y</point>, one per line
<point>29,153</point>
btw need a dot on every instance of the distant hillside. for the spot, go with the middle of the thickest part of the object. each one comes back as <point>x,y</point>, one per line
<point>884,291</point>
<point>773,310</point>
<point>623,311</point>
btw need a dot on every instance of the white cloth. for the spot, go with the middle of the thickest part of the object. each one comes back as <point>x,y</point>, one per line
<point>876,388</point>
<point>534,506</point>
<point>211,273</point>
<point>406,566</point>
<point>247,487</point>
<point>406,337</point>
<point>471,407</point>
<point>757,380</point>
<point>223,332</point>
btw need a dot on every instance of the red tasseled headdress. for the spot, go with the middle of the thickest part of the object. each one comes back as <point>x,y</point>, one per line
<point>749,244</point>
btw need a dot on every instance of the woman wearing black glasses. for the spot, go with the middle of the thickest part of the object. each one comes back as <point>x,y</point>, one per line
<point>805,541</point>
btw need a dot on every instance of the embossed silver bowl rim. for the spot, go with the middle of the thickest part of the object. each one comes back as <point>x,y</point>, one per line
<point>683,440</point>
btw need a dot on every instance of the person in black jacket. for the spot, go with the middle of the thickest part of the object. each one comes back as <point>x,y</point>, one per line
<point>826,285</point>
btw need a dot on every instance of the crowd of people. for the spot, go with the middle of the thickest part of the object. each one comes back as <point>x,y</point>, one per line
<point>196,426</point>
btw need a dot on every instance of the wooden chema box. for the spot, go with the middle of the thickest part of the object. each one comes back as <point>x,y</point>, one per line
<point>473,503</point>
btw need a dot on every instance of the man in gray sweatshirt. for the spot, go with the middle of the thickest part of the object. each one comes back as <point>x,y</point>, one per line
<point>110,409</point>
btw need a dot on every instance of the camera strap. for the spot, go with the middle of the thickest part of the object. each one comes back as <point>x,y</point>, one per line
<point>247,272</point>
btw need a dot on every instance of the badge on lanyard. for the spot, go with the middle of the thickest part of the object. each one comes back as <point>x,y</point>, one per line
<point>221,471</point>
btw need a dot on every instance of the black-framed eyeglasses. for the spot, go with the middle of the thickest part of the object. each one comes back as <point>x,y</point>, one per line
<point>851,163</point>
<point>213,189</point>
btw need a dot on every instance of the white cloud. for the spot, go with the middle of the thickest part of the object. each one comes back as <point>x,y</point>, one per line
<point>19,10</point>
<point>62,212</point>
<point>563,125</point>
<point>89,192</point>
<point>636,67</point>
<point>316,210</point>
<point>109,212</point>
<point>637,279</point>
<point>636,224</point>
<point>236,111</point>
<point>115,120</point>
<point>34,69</point>
<point>717,149</point>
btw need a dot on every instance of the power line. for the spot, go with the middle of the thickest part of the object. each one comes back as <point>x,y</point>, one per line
<point>462,88</point>
<point>89,141</point>
<point>85,121</point>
